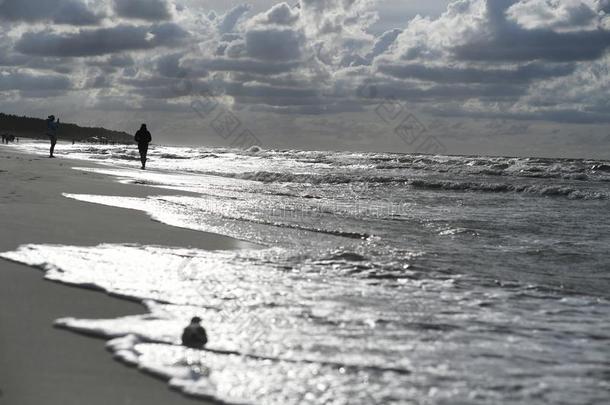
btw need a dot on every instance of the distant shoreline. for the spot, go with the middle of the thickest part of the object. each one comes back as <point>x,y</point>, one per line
<point>35,128</point>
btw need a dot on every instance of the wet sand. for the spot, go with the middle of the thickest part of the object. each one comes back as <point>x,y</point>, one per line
<point>40,364</point>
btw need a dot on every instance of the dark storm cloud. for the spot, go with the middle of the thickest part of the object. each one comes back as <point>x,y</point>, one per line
<point>603,5</point>
<point>75,13</point>
<point>511,42</point>
<point>145,82</point>
<point>446,74</point>
<point>59,65</point>
<point>447,92</point>
<point>100,41</point>
<point>246,65</point>
<point>319,107</point>
<point>581,15</point>
<point>169,65</point>
<point>111,64</point>
<point>526,45</point>
<point>265,91</point>
<point>287,80</point>
<point>18,80</point>
<point>151,10</point>
<point>98,82</point>
<point>159,87</point>
<point>72,12</point>
<point>274,44</point>
<point>319,103</point>
<point>566,116</point>
<point>9,58</point>
<point>120,61</point>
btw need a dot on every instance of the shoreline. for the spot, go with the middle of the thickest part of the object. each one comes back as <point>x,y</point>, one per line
<point>42,363</point>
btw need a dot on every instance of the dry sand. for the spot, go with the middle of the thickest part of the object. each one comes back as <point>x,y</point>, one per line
<point>40,364</point>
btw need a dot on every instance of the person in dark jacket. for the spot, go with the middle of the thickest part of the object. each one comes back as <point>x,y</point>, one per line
<point>194,335</point>
<point>143,138</point>
<point>52,126</point>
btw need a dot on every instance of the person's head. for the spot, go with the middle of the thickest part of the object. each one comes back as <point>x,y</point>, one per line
<point>196,320</point>
<point>51,117</point>
<point>143,126</point>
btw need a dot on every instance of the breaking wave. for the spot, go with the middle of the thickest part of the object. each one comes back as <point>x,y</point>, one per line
<point>535,189</point>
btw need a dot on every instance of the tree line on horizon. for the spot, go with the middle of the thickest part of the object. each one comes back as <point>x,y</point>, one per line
<point>29,127</point>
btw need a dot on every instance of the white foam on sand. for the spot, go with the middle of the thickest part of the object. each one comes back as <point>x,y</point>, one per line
<point>284,334</point>
<point>236,379</point>
<point>238,219</point>
<point>253,325</point>
<point>172,211</point>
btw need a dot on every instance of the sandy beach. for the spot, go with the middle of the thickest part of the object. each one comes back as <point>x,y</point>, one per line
<point>43,364</point>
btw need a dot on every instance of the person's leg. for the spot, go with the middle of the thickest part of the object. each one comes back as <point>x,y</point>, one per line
<point>53,142</point>
<point>144,156</point>
<point>143,151</point>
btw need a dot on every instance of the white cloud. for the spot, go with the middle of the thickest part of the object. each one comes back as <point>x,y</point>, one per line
<point>229,20</point>
<point>555,14</point>
<point>501,57</point>
<point>517,59</point>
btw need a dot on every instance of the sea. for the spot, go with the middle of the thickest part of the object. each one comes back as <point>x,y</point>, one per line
<point>380,278</point>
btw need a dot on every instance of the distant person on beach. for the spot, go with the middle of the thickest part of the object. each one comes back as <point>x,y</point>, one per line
<point>8,139</point>
<point>52,126</point>
<point>143,138</point>
<point>194,335</point>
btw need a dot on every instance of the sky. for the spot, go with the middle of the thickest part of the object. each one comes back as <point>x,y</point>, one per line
<point>494,77</point>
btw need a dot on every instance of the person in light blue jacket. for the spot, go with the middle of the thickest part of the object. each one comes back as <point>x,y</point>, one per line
<point>52,126</point>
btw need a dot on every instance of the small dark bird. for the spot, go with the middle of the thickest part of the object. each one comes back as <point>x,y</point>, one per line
<point>194,335</point>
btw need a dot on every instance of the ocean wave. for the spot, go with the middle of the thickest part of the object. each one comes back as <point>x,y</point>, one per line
<point>459,231</point>
<point>133,155</point>
<point>173,156</point>
<point>308,178</point>
<point>535,189</point>
<point>276,177</point>
<point>572,169</point>
<point>601,167</point>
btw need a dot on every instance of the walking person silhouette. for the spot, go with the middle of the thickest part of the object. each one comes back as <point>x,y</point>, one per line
<point>52,126</point>
<point>143,138</point>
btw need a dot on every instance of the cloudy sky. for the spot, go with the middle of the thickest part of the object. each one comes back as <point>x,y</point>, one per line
<point>503,77</point>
